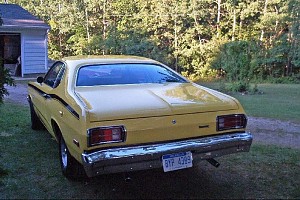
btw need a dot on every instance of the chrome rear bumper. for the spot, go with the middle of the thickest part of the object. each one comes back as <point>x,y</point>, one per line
<point>150,156</point>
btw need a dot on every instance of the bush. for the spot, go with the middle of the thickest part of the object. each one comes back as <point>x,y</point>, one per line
<point>234,62</point>
<point>238,86</point>
<point>5,79</point>
<point>285,80</point>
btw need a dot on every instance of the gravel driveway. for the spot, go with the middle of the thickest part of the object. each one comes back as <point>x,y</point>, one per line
<point>17,94</point>
<point>267,131</point>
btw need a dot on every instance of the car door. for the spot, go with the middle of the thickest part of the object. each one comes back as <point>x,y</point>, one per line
<point>49,87</point>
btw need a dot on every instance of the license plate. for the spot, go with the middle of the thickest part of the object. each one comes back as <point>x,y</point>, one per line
<point>172,162</point>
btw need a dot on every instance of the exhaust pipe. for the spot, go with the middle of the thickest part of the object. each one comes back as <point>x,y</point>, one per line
<point>213,162</point>
<point>127,179</point>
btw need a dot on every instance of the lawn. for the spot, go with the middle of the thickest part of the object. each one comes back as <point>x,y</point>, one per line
<point>29,166</point>
<point>277,101</point>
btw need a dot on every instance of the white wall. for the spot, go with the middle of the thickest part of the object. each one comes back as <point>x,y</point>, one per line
<point>34,51</point>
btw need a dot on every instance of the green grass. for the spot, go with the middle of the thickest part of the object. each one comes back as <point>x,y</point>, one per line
<point>29,169</point>
<point>278,101</point>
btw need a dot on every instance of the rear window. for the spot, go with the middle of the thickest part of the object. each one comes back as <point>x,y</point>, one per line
<point>118,74</point>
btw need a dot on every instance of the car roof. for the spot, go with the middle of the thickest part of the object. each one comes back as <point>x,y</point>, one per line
<point>105,59</point>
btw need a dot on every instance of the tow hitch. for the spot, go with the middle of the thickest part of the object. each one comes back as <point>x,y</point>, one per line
<point>213,162</point>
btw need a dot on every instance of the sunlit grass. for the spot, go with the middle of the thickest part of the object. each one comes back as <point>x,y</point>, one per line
<point>278,101</point>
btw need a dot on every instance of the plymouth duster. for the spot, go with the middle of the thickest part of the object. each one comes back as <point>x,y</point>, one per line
<point>112,114</point>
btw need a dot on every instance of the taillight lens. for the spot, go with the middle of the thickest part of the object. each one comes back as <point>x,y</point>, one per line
<point>227,122</point>
<point>107,134</point>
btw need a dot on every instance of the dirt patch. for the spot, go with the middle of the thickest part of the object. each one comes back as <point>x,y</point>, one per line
<point>17,94</point>
<point>266,131</point>
<point>272,131</point>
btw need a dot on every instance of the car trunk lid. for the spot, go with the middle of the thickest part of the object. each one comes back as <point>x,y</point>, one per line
<point>106,103</point>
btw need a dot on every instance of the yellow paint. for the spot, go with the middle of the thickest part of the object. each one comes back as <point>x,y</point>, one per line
<point>150,112</point>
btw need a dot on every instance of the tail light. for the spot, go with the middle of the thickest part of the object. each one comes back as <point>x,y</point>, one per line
<point>106,134</point>
<point>227,122</point>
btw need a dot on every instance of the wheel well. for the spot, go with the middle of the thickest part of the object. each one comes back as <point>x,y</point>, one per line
<point>56,130</point>
<point>29,100</point>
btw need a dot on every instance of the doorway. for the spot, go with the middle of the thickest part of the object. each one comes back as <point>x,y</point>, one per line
<point>10,51</point>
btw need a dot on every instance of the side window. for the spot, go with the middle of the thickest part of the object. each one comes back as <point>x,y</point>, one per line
<point>54,75</point>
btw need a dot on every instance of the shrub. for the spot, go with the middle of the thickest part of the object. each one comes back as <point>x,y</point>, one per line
<point>5,79</point>
<point>238,86</point>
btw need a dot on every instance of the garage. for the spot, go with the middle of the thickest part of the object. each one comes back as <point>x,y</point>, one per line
<point>23,41</point>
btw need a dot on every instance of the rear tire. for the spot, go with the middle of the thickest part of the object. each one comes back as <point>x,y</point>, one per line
<point>70,167</point>
<point>36,123</point>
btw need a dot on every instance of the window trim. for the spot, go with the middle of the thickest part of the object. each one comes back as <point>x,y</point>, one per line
<point>181,78</point>
<point>55,83</point>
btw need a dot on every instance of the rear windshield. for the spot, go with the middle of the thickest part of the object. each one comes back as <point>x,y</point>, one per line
<point>118,74</point>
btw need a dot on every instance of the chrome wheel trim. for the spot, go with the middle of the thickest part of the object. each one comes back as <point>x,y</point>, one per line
<point>64,154</point>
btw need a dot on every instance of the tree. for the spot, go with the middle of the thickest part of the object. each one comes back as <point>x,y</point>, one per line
<point>235,61</point>
<point>5,78</point>
<point>294,36</point>
<point>192,36</point>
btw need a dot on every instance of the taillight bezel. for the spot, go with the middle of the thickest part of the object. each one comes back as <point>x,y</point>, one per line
<point>242,125</point>
<point>105,128</point>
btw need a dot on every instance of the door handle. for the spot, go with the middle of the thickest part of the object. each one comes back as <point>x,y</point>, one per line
<point>47,96</point>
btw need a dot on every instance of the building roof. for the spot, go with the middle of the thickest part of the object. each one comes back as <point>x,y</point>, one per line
<point>14,16</point>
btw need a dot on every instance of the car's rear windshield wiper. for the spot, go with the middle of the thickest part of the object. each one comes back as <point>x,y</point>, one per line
<point>170,78</point>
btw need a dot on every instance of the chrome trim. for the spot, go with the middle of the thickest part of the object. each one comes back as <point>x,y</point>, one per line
<point>64,154</point>
<point>142,157</point>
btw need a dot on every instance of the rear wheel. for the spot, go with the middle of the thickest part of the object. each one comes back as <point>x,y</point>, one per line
<point>71,168</point>
<point>36,123</point>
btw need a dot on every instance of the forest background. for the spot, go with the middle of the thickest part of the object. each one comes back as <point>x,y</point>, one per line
<point>242,40</point>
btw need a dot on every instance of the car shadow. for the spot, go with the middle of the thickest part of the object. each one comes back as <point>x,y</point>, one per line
<point>200,182</point>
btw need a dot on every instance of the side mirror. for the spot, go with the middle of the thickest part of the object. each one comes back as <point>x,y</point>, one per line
<point>40,79</point>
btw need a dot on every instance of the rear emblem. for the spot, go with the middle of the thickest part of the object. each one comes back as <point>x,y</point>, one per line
<point>173,121</point>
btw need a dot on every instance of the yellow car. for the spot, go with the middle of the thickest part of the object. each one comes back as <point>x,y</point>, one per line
<point>114,114</point>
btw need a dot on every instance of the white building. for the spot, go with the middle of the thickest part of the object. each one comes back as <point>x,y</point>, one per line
<point>23,38</point>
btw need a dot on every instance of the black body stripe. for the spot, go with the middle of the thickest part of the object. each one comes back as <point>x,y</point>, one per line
<point>53,96</point>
